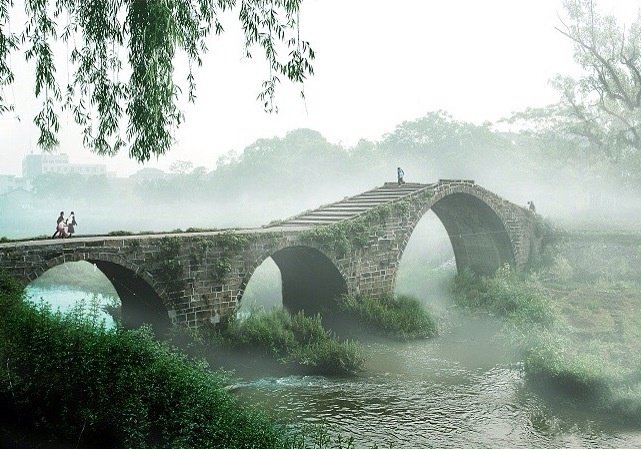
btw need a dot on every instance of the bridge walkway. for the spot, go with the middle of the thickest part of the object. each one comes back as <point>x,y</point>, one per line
<point>351,207</point>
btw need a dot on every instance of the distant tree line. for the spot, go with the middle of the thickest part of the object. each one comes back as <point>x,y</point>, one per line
<point>303,162</point>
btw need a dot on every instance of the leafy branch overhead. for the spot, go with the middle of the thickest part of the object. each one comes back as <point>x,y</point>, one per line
<point>108,89</point>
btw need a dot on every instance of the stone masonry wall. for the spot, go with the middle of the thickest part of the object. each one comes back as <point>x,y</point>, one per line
<point>200,277</point>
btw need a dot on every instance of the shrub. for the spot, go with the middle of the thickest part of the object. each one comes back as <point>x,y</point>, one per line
<point>561,270</point>
<point>66,379</point>
<point>298,340</point>
<point>120,233</point>
<point>400,317</point>
<point>506,294</point>
<point>548,359</point>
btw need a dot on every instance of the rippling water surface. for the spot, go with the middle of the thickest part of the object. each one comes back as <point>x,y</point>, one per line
<point>460,390</point>
<point>463,389</point>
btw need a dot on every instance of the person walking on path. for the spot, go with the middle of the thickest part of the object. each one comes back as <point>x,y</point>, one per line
<point>71,224</point>
<point>400,174</point>
<point>59,228</point>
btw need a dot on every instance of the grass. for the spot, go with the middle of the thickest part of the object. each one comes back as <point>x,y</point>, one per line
<point>66,381</point>
<point>519,299</point>
<point>577,336</point>
<point>297,341</point>
<point>401,317</point>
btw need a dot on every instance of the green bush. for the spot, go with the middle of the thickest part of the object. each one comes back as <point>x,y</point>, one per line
<point>119,233</point>
<point>401,317</point>
<point>297,340</point>
<point>67,379</point>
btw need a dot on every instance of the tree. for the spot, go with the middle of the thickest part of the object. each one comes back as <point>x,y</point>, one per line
<point>150,33</point>
<point>181,167</point>
<point>603,105</point>
<point>596,125</point>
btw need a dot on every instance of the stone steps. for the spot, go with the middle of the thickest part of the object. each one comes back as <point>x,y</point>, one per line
<point>354,206</point>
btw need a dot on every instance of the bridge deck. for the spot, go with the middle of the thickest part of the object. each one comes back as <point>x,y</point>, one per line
<point>353,206</point>
<point>349,207</point>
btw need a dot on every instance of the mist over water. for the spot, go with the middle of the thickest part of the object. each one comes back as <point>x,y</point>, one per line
<point>464,388</point>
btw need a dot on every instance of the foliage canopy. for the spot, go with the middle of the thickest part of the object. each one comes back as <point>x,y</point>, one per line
<point>107,88</point>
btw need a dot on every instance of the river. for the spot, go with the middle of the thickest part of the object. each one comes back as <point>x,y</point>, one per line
<point>459,390</point>
<point>462,389</point>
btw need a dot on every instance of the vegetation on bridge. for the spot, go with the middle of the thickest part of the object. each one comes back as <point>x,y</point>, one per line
<point>345,236</point>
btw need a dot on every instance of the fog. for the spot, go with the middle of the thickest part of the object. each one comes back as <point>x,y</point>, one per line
<point>276,178</point>
<point>473,372</point>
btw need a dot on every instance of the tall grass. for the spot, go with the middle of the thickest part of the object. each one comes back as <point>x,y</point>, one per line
<point>298,340</point>
<point>573,345</point>
<point>400,317</point>
<point>506,294</point>
<point>69,380</point>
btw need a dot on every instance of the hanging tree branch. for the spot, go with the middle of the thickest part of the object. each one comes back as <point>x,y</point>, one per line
<point>151,32</point>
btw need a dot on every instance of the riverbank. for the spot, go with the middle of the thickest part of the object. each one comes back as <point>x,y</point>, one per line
<point>577,319</point>
<point>69,382</point>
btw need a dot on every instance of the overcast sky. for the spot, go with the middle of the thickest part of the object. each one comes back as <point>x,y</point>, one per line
<point>378,63</point>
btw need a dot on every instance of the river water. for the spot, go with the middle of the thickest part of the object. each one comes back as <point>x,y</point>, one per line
<point>66,299</point>
<point>462,389</point>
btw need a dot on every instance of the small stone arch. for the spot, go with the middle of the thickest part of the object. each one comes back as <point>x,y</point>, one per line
<point>142,302</point>
<point>477,230</point>
<point>311,280</point>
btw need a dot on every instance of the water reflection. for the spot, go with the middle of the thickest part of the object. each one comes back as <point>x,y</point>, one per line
<point>66,300</point>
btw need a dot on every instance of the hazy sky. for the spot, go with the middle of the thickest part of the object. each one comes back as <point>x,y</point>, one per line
<point>378,63</point>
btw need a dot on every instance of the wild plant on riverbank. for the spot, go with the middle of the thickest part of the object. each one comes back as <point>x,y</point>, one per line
<point>296,340</point>
<point>520,299</point>
<point>401,317</point>
<point>65,380</point>
<point>580,338</point>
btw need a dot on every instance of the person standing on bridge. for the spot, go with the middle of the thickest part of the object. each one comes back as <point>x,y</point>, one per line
<point>400,174</point>
<point>71,224</point>
<point>60,225</point>
<point>531,206</point>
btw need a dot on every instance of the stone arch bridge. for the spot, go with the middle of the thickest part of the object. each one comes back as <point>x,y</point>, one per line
<point>352,246</point>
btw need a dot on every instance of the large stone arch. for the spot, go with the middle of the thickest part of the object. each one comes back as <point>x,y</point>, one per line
<point>311,280</point>
<point>140,298</point>
<point>475,226</point>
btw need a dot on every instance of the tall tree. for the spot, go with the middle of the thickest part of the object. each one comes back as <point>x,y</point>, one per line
<point>149,33</point>
<point>604,104</point>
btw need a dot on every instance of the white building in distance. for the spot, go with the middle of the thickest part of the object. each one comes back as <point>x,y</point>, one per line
<point>34,165</point>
